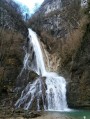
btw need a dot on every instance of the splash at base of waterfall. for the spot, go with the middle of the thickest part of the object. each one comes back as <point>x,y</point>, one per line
<point>48,90</point>
<point>56,92</point>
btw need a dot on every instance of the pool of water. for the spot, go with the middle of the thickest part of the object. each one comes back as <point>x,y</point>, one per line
<point>79,114</point>
<point>73,114</point>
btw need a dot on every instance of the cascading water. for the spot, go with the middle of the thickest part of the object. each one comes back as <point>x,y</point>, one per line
<point>48,88</point>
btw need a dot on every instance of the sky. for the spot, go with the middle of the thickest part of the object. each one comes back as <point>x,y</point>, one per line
<point>30,4</point>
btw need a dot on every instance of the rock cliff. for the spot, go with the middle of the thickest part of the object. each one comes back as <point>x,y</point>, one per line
<point>13,33</point>
<point>78,88</point>
<point>64,31</point>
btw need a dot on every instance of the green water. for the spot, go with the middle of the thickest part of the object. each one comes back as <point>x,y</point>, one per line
<point>79,114</point>
<point>74,114</point>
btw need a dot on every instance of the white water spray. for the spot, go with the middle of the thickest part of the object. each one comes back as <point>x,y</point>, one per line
<point>54,95</point>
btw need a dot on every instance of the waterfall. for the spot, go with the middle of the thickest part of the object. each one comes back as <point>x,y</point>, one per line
<point>48,91</point>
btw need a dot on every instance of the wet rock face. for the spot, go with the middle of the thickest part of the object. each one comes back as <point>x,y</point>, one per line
<point>24,78</point>
<point>78,89</point>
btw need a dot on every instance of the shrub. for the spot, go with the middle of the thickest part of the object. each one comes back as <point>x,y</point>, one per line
<point>73,42</point>
<point>9,43</point>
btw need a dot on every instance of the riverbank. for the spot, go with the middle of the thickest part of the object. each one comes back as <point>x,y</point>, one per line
<point>11,113</point>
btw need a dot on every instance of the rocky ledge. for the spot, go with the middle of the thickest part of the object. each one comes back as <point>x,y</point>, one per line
<point>11,113</point>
